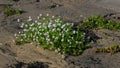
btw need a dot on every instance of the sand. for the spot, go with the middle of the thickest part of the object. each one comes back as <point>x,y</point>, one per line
<point>73,11</point>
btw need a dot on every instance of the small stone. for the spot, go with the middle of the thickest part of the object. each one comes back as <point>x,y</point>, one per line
<point>63,56</point>
<point>81,15</point>
<point>56,51</point>
<point>1,44</point>
<point>18,20</point>
<point>37,0</point>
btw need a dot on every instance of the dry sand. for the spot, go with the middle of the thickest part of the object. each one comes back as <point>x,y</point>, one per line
<point>12,56</point>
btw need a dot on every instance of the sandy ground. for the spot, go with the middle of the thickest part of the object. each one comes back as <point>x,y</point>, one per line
<point>12,56</point>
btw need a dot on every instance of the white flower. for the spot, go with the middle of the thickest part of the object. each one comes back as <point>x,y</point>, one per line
<point>58,29</point>
<point>31,43</point>
<point>47,14</point>
<point>30,28</point>
<point>53,36</point>
<point>29,18</point>
<point>36,21</point>
<point>67,24</point>
<point>25,30</point>
<point>43,25</point>
<point>19,32</point>
<point>26,25</point>
<point>63,35</point>
<point>53,29</point>
<point>62,40</point>
<point>33,29</point>
<point>39,23</point>
<point>70,42</point>
<point>74,32</point>
<point>45,34</point>
<point>57,20</point>
<point>63,56</point>
<point>22,25</point>
<point>60,34</point>
<point>54,25</point>
<point>47,39</point>
<point>49,25</point>
<point>21,40</point>
<point>43,18</point>
<point>58,49</point>
<point>33,39</point>
<point>56,38</point>
<point>72,37</point>
<point>76,41</point>
<point>51,42</point>
<point>40,33</point>
<point>32,24</point>
<point>37,37</point>
<point>48,36</point>
<point>59,24</point>
<point>67,30</point>
<point>23,34</point>
<point>83,33</point>
<point>53,16</point>
<point>80,42</point>
<point>64,29</point>
<point>63,26</point>
<point>40,15</point>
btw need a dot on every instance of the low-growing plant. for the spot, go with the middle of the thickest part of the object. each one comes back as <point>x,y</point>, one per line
<point>54,34</point>
<point>10,11</point>
<point>112,25</point>
<point>98,22</point>
<point>112,49</point>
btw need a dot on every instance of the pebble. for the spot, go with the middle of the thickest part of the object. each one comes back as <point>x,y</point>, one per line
<point>1,44</point>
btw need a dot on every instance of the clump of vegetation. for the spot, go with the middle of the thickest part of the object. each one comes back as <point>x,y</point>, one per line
<point>99,22</point>
<point>10,11</point>
<point>112,49</point>
<point>53,34</point>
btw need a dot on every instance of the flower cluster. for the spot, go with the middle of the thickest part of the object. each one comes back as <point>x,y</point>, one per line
<point>54,34</point>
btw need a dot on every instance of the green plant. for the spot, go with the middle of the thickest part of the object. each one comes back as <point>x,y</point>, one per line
<point>10,11</point>
<point>98,22</point>
<point>112,25</point>
<point>54,34</point>
<point>91,23</point>
<point>112,49</point>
